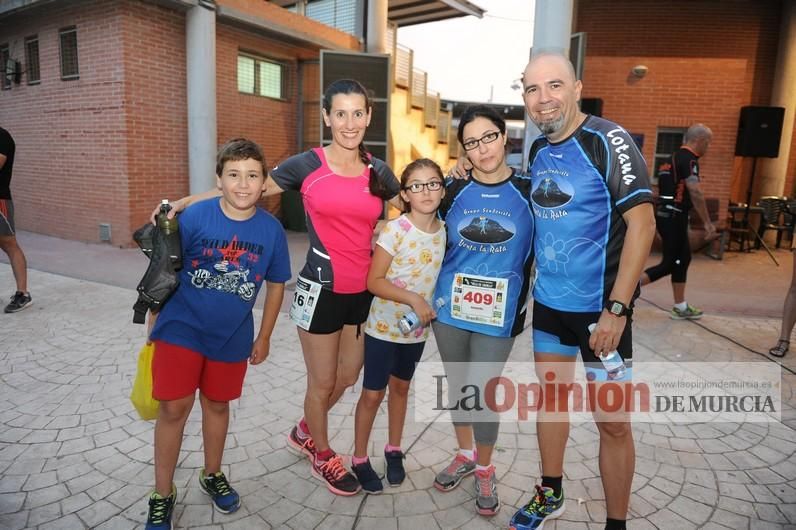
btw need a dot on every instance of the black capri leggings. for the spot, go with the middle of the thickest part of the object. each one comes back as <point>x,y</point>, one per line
<point>676,249</point>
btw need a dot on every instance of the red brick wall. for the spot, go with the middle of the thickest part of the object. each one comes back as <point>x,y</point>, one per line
<point>302,26</point>
<point>107,147</point>
<point>706,60</point>
<point>70,171</point>
<point>270,122</point>
<point>156,118</point>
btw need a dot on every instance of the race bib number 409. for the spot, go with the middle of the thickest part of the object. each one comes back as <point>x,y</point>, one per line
<point>479,299</point>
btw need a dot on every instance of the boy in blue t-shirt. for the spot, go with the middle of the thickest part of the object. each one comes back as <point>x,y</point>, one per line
<point>204,335</point>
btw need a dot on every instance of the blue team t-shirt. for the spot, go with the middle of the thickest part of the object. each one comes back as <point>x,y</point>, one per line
<point>485,274</point>
<point>225,262</point>
<point>581,187</point>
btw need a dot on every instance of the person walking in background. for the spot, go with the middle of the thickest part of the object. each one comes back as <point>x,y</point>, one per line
<point>8,240</point>
<point>788,312</point>
<point>402,277</point>
<point>679,191</point>
<point>592,205</point>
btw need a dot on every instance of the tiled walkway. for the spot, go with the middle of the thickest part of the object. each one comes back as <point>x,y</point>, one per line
<point>74,455</point>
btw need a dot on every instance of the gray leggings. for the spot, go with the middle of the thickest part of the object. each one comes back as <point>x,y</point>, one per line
<point>463,353</point>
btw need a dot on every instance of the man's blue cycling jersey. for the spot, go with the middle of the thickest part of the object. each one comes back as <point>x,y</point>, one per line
<point>581,186</point>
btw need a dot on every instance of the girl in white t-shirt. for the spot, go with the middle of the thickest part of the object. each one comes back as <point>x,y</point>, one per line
<point>402,277</point>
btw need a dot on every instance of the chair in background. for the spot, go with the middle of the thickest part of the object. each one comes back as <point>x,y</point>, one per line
<point>737,230</point>
<point>790,217</point>
<point>773,218</point>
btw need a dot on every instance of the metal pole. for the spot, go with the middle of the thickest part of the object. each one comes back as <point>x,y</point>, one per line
<point>200,56</point>
<point>552,30</point>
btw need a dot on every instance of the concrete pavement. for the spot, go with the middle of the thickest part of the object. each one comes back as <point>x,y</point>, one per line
<point>73,453</point>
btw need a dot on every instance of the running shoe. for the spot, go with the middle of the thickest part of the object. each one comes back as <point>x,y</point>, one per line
<point>487,501</point>
<point>337,479</point>
<point>225,498</point>
<point>367,477</point>
<point>394,462</point>
<point>19,302</point>
<point>542,507</point>
<point>160,510</point>
<point>300,446</point>
<point>689,313</point>
<point>451,476</point>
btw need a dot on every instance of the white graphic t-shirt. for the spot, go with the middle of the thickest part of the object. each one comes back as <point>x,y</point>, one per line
<point>417,257</point>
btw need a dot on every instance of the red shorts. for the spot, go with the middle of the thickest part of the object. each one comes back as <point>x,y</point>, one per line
<point>177,372</point>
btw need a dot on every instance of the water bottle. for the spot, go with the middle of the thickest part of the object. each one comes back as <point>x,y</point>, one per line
<point>411,322</point>
<point>170,229</point>
<point>612,361</point>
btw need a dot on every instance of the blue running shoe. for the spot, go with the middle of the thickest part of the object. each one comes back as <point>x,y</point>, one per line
<point>160,509</point>
<point>225,499</point>
<point>542,507</point>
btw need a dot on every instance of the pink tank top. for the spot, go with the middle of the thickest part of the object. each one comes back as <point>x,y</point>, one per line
<point>341,216</point>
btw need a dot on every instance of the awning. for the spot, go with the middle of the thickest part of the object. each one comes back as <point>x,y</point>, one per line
<point>411,12</point>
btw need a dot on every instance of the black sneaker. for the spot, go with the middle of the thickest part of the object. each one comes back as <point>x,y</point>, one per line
<point>337,479</point>
<point>225,498</point>
<point>300,446</point>
<point>368,478</point>
<point>394,462</point>
<point>19,302</point>
<point>160,509</point>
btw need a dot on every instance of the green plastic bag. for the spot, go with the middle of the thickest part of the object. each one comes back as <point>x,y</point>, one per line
<point>141,396</point>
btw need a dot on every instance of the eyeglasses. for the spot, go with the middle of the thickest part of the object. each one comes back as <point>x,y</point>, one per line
<point>417,187</point>
<point>488,138</point>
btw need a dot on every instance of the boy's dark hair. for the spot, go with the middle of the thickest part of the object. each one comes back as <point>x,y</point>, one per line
<point>239,149</point>
<point>480,111</point>
<point>352,86</point>
<point>411,168</point>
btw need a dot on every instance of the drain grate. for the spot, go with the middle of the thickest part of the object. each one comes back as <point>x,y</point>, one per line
<point>105,231</point>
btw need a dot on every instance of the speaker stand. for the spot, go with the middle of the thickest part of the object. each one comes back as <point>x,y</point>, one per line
<point>746,217</point>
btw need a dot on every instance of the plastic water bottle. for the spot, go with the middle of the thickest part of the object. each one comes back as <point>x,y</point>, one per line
<point>612,361</point>
<point>411,322</point>
<point>171,231</point>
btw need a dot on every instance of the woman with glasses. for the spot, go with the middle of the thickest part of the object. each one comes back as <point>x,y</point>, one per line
<point>402,276</point>
<point>485,280</point>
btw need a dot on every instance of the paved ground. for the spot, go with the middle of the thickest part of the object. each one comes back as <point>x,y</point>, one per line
<point>74,455</point>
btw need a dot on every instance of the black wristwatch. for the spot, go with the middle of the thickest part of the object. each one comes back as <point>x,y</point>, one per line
<point>617,308</point>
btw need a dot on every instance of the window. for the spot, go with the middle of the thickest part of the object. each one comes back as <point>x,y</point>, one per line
<point>5,84</point>
<point>669,139</point>
<point>339,14</point>
<point>32,60</point>
<point>261,77</point>
<point>69,66</point>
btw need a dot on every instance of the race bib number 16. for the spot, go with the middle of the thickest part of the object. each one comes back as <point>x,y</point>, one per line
<point>305,300</point>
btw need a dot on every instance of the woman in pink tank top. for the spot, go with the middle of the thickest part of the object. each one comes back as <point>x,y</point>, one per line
<point>343,190</point>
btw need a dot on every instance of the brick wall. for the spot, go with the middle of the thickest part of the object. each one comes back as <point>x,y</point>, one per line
<point>302,26</point>
<point>70,171</point>
<point>270,122</point>
<point>156,117</point>
<point>107,147</point>
<point>706,60</point>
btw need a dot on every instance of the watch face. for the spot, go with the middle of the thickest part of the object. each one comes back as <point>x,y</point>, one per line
<point>616,308</point>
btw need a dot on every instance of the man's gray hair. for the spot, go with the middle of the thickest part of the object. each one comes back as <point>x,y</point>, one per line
<point>696,132</point>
